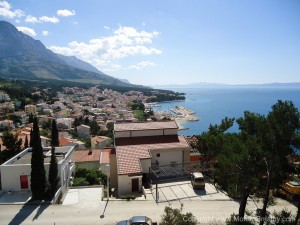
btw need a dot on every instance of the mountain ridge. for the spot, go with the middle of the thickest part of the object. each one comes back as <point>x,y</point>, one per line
<point>21,56</point>
<point>215,85</point>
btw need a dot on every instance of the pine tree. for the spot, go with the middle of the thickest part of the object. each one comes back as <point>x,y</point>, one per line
<point>38,174</point>
<point>53,171</point>
<point>54,135</point>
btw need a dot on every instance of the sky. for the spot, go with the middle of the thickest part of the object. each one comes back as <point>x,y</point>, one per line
<point>161,42</point>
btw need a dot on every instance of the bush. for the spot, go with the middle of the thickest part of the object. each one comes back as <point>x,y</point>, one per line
<point>91,177</point>
<point>284,217</point>
<point>80,181</point>
<point>81,172</point>
<point>177,217</point>
<point>234,220</point>
<point>128,197</point>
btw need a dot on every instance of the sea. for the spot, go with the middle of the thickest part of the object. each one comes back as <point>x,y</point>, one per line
<point>212,104</point>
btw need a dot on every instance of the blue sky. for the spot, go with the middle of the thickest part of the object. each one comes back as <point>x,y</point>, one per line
<point>170,41</point>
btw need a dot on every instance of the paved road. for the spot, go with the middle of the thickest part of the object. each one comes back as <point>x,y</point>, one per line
<point>107,213</point>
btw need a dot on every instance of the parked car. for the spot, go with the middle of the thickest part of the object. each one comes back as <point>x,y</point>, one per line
<point>197,180</point>
<point>137,220</point>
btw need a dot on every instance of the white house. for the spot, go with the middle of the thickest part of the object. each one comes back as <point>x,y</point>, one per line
<point>141,146</point>
<point>15,173</point>
<point>67,122</point>
<point>83,131</point>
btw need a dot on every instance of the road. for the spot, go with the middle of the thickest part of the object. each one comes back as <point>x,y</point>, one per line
<point>107,213</point>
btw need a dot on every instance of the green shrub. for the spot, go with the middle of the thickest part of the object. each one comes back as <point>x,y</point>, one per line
<point>91,177</point>
<point>233,220</point>
<point>284,217</point>
<point>80,181</point>
<point>177,217</point>
<point>128,197</point>
<point>81,172</point>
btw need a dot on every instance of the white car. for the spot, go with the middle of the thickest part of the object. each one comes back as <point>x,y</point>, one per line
<point>137,220</point>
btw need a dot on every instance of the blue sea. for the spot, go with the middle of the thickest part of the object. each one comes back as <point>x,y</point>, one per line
<point>211,105</point>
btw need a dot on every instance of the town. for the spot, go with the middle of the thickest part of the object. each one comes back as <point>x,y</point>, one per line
<point>111,145</point>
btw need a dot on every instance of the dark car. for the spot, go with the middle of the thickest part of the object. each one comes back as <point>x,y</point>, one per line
<point>137,220</point>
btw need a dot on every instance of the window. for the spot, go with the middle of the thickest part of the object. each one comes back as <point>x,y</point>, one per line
<point>158,155</point>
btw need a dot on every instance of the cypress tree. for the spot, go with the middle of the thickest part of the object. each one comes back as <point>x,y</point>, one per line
<point>54,134</point>
<point>38,174</point>
<point>26,142</point>
<point>30,141</point>
<point>30,119</point>
<point>53,171</point>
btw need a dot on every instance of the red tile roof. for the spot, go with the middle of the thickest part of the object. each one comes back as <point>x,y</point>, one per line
<point>104,157</point>
<point>146,126</point>
<point>129,156</point>
<point>84,156</point>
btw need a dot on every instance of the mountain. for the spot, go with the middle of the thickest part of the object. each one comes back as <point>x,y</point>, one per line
<point>220,85</point>
<point>75,62</point>
<point>21,56</point>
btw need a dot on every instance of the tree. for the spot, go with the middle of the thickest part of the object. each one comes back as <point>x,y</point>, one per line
<point>235,162</point>
<point>54,134</point>
<point>12,143</point>
<point>30,118</point>
<point>30,141</point>
<point>38,174</point>
<point>284,123</point>
<point>94,127</point>
<point>26,142</point>
<point>53,171</point>
<point>177,217</point>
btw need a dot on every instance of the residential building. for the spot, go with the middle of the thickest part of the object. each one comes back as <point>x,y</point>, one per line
<point>83,131</point>
<point>7,124</point>
<point>99,142</point>
<point>66,123</point>
<point>4,96</point>
<point>71,142</point>
<point>7,106</point>
<point>15,173</point>
<point>141,146</point>
<point>87,159</point>
<point>30,109</point>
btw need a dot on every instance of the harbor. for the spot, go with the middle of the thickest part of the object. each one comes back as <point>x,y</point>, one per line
<point>179,113</point>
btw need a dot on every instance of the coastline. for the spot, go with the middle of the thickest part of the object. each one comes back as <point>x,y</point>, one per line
<point>182,115</point>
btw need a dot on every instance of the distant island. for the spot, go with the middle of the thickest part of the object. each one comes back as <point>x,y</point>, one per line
<point>221,85</point>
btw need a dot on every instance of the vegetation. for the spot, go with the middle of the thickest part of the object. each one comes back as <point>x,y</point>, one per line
<point>54,134</point>
<point>38,174</point>
<point>53,171</point>
<point>21,90</point>
<point>84,177</point>
<point>128,197</point>
<point>264,141</point>
<point>12,144</point>
<point>177,217</point>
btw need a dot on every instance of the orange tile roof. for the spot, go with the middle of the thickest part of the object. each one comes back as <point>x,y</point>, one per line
<point>129,156</point>
<point>146,126</point>
<point>104,157</point>
<point>84,156</point>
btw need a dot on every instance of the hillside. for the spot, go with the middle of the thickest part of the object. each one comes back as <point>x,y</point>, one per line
<point>21,56</point>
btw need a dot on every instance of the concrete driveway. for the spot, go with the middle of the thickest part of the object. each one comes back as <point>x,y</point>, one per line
<point>18,197</point>
<point>83,195</point>
<point>183,190</point>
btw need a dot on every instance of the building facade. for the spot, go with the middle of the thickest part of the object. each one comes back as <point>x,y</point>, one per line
<point>141,146</point>
<point>15,173</point>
